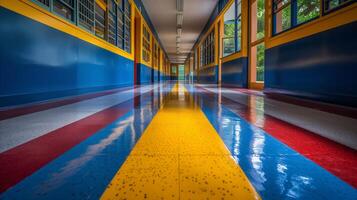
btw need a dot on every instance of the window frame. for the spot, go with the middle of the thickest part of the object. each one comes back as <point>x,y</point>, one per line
<point>127,18</point>
<point>114,15</point>
<point>83,27</point>
<point>294,13</point>
<point>237,19</point>
<point>207,49</point>
<point>146,46</point>
<point>96,4</point>
<point>89,19</point>
<point>74,10</point>
<point>49,8</point>
<point>343,5</point>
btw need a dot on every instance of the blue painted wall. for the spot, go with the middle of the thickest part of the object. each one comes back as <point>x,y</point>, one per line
<point>144,74</point>
<point>162,77</point>
<point>235,72</point>
<point>209,75</point>
<point>322,66</point>
<point>38,63</point>
<point>156,75</point>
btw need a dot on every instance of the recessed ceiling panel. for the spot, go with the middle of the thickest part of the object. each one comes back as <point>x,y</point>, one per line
<point>163,14</point>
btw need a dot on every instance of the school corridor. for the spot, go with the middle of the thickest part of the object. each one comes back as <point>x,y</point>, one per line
<point>178,99</point>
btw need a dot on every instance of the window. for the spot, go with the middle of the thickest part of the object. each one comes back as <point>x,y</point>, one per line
<point>202,55</point>
<point>229,27</point>
<point>257,35</point>
<point>173,69</point>
<point>124,25</point>
<point>146,45</point>
<point>196,60</point>
<point>282,15</point>
<point>86,14</point>
<point>64,8</point>
<point>232,29</point>
<point>238,25</point>
<point>120,24</point>
<point>259,21</point>
<point>159,58</point>
<point>333,4</point>
<point>307,10</point>
<point>127,26</point>
<point>290,13</point>
<point>44,2</point>
<point>181,72</point>
<point>99,21</point>
<point>260,49</point>
<point>207,49</point>
<point>155,55</point>
<point>112,10</point>
<point>109,20</point>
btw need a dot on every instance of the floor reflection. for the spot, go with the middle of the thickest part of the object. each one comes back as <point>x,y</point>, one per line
<point>84,171</point>
<point>275,170</point>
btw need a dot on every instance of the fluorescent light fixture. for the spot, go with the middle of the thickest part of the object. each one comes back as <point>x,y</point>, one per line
<point>179,19</point>
<point>179,31</point>
<point>179,5</point>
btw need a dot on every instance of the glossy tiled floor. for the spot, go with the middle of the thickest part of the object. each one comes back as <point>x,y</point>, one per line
<point>175,141</point>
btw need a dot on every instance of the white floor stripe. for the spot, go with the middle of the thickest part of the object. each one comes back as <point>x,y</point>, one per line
<point>335,127</point>
<point>18,130</point>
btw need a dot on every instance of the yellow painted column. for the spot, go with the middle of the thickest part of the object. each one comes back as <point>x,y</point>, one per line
<point>180,156</point>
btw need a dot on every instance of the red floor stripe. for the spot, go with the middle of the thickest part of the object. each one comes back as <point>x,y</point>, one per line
<point>14,112</point>
<point>334,157</point>
<point>25,159</point>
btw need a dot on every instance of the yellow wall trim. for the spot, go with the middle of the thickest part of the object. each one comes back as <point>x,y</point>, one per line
<point>33,11</point>
<point>208,66</point>
<point>233,56</point>
<point>256,85</point>
<point>146,64</point>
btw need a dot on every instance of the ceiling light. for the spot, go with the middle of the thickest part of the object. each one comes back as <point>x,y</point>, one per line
<point>179,5</point>
<point>179,31</point>
<point>179,19</point>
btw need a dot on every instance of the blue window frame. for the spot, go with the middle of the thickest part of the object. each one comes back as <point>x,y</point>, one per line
<point>99,22</point>
<point>64,8</point>
<point>45,3</point>
<point>86,14</point>
<point>127,25</point>
<point>291,13</point>
<point>331,5</point>
<point>124,25</point>
<point>288,14</point>
<point>232,29</point>
<point>207,49</point>
<point>112,22</point>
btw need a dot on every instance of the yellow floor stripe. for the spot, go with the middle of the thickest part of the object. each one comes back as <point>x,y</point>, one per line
<point>180,156</point>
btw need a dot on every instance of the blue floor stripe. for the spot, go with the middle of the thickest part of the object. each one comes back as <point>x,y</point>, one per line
<point>274,169</point>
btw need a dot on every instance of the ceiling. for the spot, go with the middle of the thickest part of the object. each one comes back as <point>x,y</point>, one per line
<point>163,14</point>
